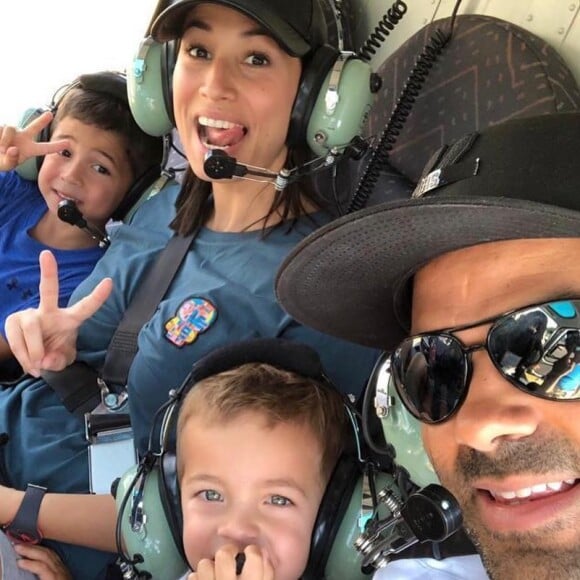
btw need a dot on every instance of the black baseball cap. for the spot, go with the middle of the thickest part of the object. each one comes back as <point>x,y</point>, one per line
<point>297,25</point>
<point>516,180</point>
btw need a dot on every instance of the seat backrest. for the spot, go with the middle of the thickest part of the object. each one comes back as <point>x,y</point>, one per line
<point>490,71</point>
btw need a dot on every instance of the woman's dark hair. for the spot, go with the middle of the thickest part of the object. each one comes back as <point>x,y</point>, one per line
<point>194,206</point>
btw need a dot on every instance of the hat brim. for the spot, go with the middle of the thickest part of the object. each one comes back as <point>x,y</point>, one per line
<point>169,25</point>
<point>348,279</point>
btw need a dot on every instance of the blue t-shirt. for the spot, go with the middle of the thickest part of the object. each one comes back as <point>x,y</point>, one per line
<point>21,207</point>
<point>224,292</point>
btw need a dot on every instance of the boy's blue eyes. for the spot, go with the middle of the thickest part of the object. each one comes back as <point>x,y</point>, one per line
<point>280,500</point>
<point>214,496</point>
<point>211,495</point>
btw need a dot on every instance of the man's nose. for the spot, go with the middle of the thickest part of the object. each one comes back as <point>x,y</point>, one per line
<point>494,410</point>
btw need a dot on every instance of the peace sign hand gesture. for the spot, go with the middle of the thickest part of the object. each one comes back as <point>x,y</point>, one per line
<point>18,145</point>
<point>44,338</point>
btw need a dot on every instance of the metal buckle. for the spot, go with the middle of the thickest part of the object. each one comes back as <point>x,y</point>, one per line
<point>111,401</point>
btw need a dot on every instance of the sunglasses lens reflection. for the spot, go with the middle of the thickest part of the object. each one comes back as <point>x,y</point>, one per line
<point>537,354</point>
<point>430,373</point>
<point>537,349</point>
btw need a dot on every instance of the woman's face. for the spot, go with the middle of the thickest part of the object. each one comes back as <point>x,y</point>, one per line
<point>233,89</point>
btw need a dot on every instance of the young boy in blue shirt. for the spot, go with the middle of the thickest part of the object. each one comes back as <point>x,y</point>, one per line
<point>94,152</point>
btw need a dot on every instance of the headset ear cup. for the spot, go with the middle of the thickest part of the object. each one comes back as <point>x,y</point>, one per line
<point>344,561</point>
<point>149,79</point>
<point>327,127</point>
<point>29,169</point>
<point>335,502</point>
<point>170,498</point>
<point>313,76</point>
<point>401,430</point>
<point>152,538</point>
<point>138,189</point>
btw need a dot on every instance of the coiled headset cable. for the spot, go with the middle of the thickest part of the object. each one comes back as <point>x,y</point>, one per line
<point>411,90</point>
<point>382,30</point>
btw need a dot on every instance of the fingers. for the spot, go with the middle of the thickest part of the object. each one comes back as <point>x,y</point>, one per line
<point>7,136</point>
<point>8,152</point>
<point>257,565</point>
<point>88,305</point>
<point>10,159</point>
<point>205,571</point>
<point>24,335</point>
<point>41,561</point>
<point>38,124</point>
<point>44,338</point>
<point>48,288</point>
<point>45,147</point>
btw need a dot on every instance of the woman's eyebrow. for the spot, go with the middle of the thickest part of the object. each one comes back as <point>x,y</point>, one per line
<point>256,30</point>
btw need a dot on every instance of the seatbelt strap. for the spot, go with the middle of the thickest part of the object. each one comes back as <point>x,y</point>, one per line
<point>123,346</point>
<point>78,384</point>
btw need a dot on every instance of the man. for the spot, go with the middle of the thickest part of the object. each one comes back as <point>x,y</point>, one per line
<point>488,244</point>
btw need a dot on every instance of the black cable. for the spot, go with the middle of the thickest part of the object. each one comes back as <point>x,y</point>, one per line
<point>177,150</point>
<point>454,16</point>
<point>398,118</point>
<point>405,102</point>
<point>385,26</point>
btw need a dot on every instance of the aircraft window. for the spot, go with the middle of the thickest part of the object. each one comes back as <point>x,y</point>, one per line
<point>45,45</point>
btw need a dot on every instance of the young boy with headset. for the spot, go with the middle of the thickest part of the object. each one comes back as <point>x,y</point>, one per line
<point>256,446</point>
<point>92,153</point>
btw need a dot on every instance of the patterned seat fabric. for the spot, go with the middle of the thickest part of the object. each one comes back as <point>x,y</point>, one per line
<point>489,72</point>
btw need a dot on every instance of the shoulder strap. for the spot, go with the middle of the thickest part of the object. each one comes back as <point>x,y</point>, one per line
<point>123,346</point>
<point>77,385</point>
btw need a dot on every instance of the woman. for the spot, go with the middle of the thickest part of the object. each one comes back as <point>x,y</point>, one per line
<point>236,75</point>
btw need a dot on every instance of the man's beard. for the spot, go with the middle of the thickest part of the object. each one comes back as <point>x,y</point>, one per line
<point>534,554</point>
<point>521,558</point>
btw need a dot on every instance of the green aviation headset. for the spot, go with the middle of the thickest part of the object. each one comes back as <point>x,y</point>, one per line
<point>401,430</point>
<point>363,519</point>
<point>331,106</point>
<point>148,502</point>
<point>110,83</point>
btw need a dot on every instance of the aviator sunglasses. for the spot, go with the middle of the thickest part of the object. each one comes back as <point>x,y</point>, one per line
<point>537,349</point>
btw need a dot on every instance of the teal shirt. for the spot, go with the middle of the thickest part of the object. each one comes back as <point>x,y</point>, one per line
<point>223,292</point>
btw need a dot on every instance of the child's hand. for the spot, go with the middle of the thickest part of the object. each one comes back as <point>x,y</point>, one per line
<point>45,337</point>
<point>256,567</point>
<point>18,145</point>
<point>41,561</point>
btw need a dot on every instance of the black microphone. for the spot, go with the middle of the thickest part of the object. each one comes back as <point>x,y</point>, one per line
<point>68,212</point>
<point>218,164</point>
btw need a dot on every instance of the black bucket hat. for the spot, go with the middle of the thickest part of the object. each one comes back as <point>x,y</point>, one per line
<point>517,180</point>
<point>297,25</point>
